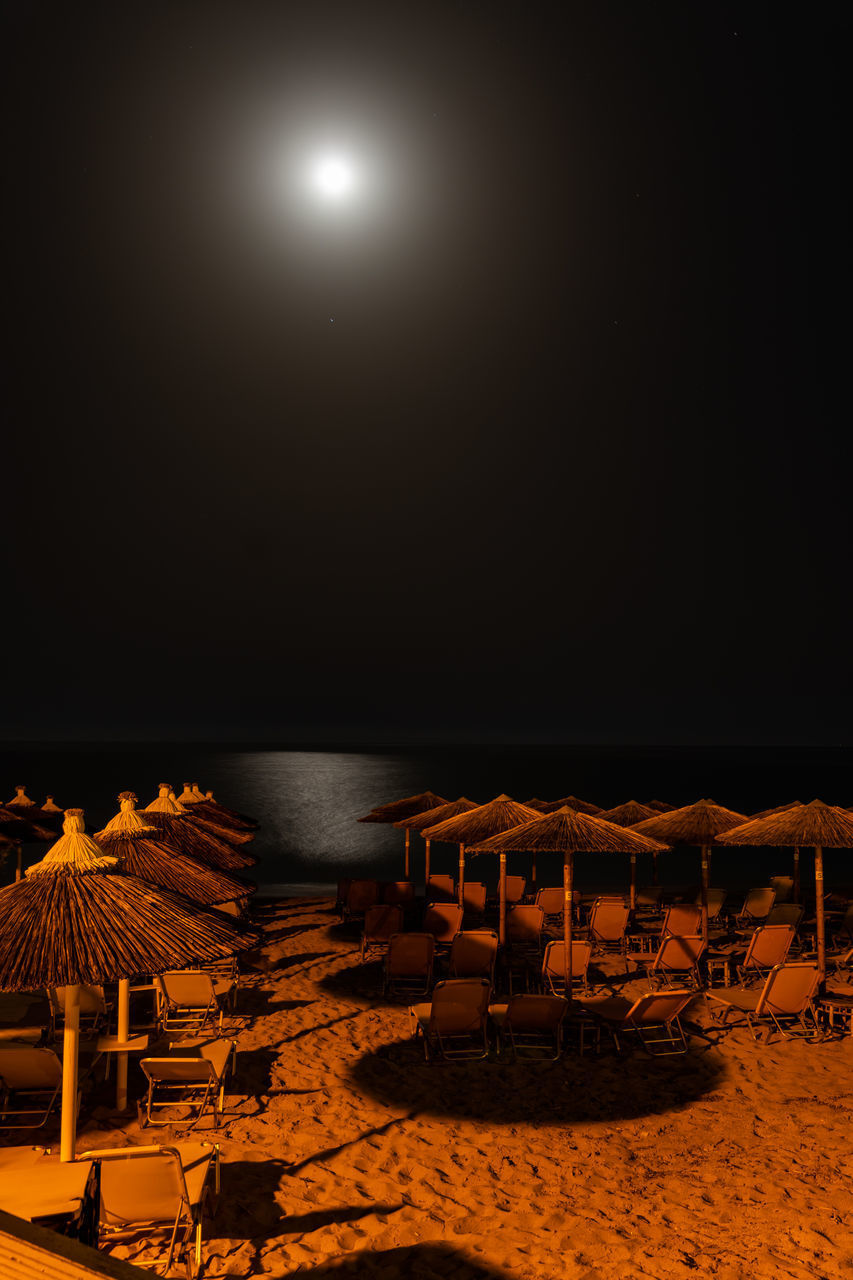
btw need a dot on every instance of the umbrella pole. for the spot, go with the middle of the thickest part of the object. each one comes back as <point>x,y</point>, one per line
<point>123,1035</point>
<point>567,921</point>
<point>633,898</point>
<point>70,1050</point>
<point>795,890</point>
<point>426,872</point>
<point>705,861</point>
<point>19,870</point>
<point>406,864</point>
<point>820,917</point>
<point>502,925</point>
<point>462,875</point>
<point>533,875</point>
<point>654,868</point>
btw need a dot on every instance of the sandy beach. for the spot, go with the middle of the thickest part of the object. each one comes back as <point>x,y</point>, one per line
<point>345,1153</point>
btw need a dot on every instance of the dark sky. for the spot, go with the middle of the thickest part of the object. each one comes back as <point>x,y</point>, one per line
<point>537,438</point>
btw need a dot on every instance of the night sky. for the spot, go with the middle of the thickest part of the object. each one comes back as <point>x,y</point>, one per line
<point>536,434</point>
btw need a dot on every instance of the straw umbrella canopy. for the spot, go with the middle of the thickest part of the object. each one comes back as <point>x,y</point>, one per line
<point>73,920</point>
<point>134,841</point>
<point>241,820</point>
<point>186,837</point>
<point>572,802</point>
<point>660,806</point>
<point>568,832</point>
<point>192,795</point>
<point>405,808</point>
<point>698,825</point>
<point>780,808</point>
<point>539,805</point>
<point>419,821</point>
<point>818,826</point>
<point>229,834</point>
<point>27,808</point>
<point>478,824</point>
<point>22,830</point>
<point>626,815</point>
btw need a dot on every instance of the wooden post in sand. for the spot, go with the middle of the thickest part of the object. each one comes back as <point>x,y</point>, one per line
<point>632,901</point>
<point>19,870</point>
<point>461,885</point>
<point>70,1050</point>
<point>426,871</point>
<point>123,1034</point>
<point>706,855</point>
<point>654,868</point>
<point>533,876</point>
<point>820,921</point>
<point>795,888</point>
<point>502,925</point>
<point>567,920</point>
<point>407,863</point>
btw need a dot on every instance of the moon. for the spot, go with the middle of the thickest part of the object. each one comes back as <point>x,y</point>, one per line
<point>333,177</point>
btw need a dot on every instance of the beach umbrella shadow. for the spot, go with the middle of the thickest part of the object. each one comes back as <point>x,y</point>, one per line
<point>575,1090</point>
<point>421,1261</point>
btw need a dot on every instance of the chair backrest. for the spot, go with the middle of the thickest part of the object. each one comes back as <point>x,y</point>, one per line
<point>515,886</point>
<point>174,1070</point>
<point>649,896</point>
<point>92,1001</point>
<point>716,901</point>
<point>143,1184</point>
<point>678,953</point>
<point>410,955</point>
<point>474,896</point>
<point>441,889</point>
<point>608,919</point>
<point>443,920</point>
<point>399,893</point>
<point>381,921</point>
<point>459,1005</point>
<point>788,989</point>
<point>524,923</point>
<point>769,946</point>
<point>473,953</point>
<point>759,903</point>
<point>785,913</point>
<point>784,886</point>
<point>191,989</point>
<point>26,1067</point>
<point>656,1007</point>
<point>551,901</point>
<point>681,919</point>
<point>532,1013</point>
<point>554,960</point>
<point>362,894</point>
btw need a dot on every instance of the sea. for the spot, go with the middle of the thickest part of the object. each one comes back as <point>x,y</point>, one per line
<point>308,799</point>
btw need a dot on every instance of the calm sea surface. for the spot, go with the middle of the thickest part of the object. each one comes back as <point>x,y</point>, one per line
<point>308,800</point>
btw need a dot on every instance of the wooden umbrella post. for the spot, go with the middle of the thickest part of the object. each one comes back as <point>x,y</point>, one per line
<point>70,1051</point>
<point>19,870</point>
<point>426,871</point>
<point>567,920</point>
<point>633,897</point>
<point>655,869</point>
<point>533,875</point>
<point>795,888</point>
<point>462,875</point>
<point>407,865</point>
<point>820,923</point>
<point>502,927</point>
<point>705,853</point>
<point>123,1035</point>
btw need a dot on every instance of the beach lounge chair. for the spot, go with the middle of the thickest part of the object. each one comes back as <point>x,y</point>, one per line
<point>473,954</point>
<point>784,886</point>
<point>551,902</point>
<point>361,894</point>
<point>443,920</point>
<point>341,895</point>
<point>453,1024</point>
<point>608,922</point>
<point>783,1003</point>
<point>25,1017</point>
<point>757,906</point>
<point>515,887</point>
<point>30,1081</point>
<point>768,947</point>
<point>158,1189</point>
<point>524,935</point>
<point>654,1018</point>
<point>532,1024</point>
<point>380,923</point>
<point>441,889</point>
<point>842,936</point>
<point>649,899</point>
<point>554,966</point>
<point>677,962</point>
<point>408,964</point>
<point>188,1001</point>
<point>716,902</point>
<point>399,893</point>
<point>681,920</point>
<point>94,1010</point>
<point>786,913</point>
<point>192,1077</point>
<point>474,899</point>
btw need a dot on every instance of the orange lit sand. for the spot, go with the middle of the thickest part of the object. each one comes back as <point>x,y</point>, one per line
<point>344,1153</point>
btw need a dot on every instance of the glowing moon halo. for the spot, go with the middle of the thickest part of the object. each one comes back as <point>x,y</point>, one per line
<point>333,177</point>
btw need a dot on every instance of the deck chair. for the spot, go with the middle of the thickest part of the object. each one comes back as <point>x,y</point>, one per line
<point>193,1077</point>
<point>554,966</point>
<point>551,902</point>
<point>843,936</point>
<point>398,893</point>
<point>94,1010</point>
<point>453,1025</point>
<point>341,895</point>
<point>380,923</point>
<point>30,1081</point>
<point>681,920</point>
<point>473,898</point>
<point>408,964</point>
<point>443,920</point>
<point>785,913</point>
<point>677,962</point>
<point>361,894</point>
<point>441,889</point>
<point>716,902</point>
<point>649,899</point>
<point>608,922</point>
<point>473,954</point>
<point>782,1004</point>
<point>158,1189</point>
<point>515,887</point>
<point>188,1001</point>
<point>654,1017</point>
<point>756,907</point>
<point>768,947</point>
<point>784,886</point>
<point>532,1024</point>
<point>524,935</point>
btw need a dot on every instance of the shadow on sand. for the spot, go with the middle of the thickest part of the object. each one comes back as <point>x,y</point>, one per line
<point>422,1261</point>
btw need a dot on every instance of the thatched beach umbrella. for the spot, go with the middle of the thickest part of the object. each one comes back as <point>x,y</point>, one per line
<point>698,825</point>
<point>419,821</point>
<point>22,830</point>
<point>229,834</point>
<point>572,802</point>
<point>177,830</point>
<point>567,832</point>
<point>74,920</point>
<point>405,808</point>
<point>539,805</point>
<point>660,806</point>
<point>478,824</point>
<point>627,815</point>
<point>192,796</point>
<point>818,826</point>
<point>780,808</point>
<point>135,842</point>
<point>220,811</point>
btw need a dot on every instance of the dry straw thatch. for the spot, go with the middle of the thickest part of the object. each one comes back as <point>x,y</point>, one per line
<point>627,814</point>
<point>539,805</point>
<point>21,829</point>
<point>486,820</point>
<point>572,802</point>
<point>50,806</point>
<point>75,919</point>
<point>568,831</point>
<point>27,808</point>
<point>810,825</point>
<point>21,800</point>
<point>186,837</point>
<point>405,808</point>
<point>221,812</point>
<point>660,806</point>
<point>134,842</point>
<point>696,824</point>
<point>779,808</point>
<point>209,824</point>
<point>418,821</point>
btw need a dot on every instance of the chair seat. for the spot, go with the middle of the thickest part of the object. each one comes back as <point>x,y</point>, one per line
<point>45,1189</point>
<point>612,1008</point>
<point>422,1013</point>
<point>734,997</point>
